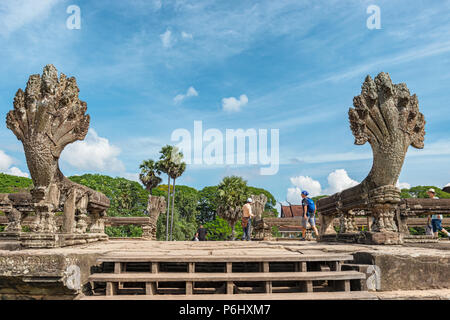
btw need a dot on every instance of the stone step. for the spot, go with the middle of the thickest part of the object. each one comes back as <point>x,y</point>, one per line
<point>288,257</point>
<point>353,295</point>
<point>226,277</point>
<point>420,239</point>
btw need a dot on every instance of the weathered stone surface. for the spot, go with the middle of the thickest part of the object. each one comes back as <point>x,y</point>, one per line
<point>438,294</point>
<point>43,275</point>
<point>415,266</point>
<point>409,272</point>
<point>156,205</point>
<point>260,228</point>
<point>48,116</point>
<point>387,237</point>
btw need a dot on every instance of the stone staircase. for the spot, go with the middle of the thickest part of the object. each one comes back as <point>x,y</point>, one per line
<point>301,276</point>
<point>420,239</point>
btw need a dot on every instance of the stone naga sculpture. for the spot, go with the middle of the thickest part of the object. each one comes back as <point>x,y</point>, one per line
<point>156,205</point>
<point>261,229</point>
<point>387,116</point>
<point>47,116</point>
<point>258,205</point>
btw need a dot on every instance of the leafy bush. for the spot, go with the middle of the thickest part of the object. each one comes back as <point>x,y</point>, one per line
<point>421,192</point>
<point>276,232</point>
<point>130,231</point>
<point>220,230</point>
<point>14,184</point>
<point>128,198</point>
<point>416,231</point>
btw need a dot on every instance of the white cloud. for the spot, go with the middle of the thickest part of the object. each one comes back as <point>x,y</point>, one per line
<point>403,185</point>
<point>336,157</point>
<point>18,13</point>
<point>232,104</point>
<point>94,153</point>
<point>14,171</point>
<point>5,161</point>
<point>166,38</point>
<point>131,176</point>
<point>294,195</point>
<point>191,92</point>
<point>417,53</point>
<point>436,148</point>
<point>339,180</point>
<point>186,35</point>
<point>448,185</point>
<point>5,166</point>
<point>278,207</point>
<point>306,183</point>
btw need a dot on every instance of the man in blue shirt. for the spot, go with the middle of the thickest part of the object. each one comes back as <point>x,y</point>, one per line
<point>436,219</point>
<point>309,212</point>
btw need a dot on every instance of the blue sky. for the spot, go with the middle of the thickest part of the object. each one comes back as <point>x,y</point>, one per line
<point>298,63</point>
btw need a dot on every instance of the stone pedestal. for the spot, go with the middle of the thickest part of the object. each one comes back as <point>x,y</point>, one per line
<point>326,226</point>
<point>376,238</point>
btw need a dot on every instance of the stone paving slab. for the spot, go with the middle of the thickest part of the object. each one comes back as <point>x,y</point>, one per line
<point>225,248</point>
<point>242,297</point>
<point>442,294</point>
<point>394,267</point>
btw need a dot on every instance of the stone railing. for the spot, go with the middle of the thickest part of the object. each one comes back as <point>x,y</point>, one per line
<point>359,222</point>
<point>405,215</point>
<point>143,222</point>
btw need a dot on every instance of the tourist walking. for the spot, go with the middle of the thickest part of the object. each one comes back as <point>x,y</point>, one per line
<point>247,216</point>
<point>201,233</point>
<point>309,213</point>
<point>436,219</point>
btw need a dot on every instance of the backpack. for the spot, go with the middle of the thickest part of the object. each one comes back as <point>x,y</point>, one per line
<point>311,205</point>
<point>244,222</point>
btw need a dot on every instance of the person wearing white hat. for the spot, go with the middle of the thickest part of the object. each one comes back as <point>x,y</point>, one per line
<point>247,216</point>
<point>436,219</point>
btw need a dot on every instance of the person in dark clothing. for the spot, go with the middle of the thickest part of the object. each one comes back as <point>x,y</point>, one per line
<point>201,233</point>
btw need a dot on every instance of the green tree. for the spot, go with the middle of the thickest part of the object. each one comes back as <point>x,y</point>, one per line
<point>14,184</point>
<point>128,198</point>
<point>421,192</point>
<point>271,201</point>
<point>149,175</point>
<point>177,169</point>
<point>232,194</point>
<point>220,230</point>
<point>207,206</point>
<point>165,165</point>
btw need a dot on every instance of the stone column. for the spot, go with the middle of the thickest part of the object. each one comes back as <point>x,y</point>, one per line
<point>383,204</point>
<point>348,222</point>
<point>326,225</point>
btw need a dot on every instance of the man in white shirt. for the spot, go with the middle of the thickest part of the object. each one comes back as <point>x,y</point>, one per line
<point>436,219</point>
<point>247,216</point>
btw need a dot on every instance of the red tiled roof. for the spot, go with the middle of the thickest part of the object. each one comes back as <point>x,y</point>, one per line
<point>291,211</point>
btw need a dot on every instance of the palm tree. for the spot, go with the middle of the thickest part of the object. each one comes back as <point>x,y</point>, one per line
<point>165,165</point>
<point>232,194</point>
<point>149,175</point>
<point>176,171</point>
